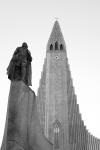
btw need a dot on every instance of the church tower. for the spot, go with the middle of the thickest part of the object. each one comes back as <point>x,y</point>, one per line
<point>52,97</point>
<point>57,106</point>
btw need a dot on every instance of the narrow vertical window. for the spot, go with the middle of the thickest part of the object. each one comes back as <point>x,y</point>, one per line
<point>56,46</point>
<point>61,47</point>
<point>51,47</point>
<point>57,139</point>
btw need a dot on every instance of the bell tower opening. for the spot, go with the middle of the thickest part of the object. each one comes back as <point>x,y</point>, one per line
<point>56,45</point>
<point>61,47</point>
<point>51,47</point>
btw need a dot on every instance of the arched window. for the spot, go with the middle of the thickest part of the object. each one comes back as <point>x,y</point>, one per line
<point>56,46</point>
<point>61,47</point>
<point>51,47</point>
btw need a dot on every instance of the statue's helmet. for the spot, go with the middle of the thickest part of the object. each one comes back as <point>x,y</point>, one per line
<point>24,45</point>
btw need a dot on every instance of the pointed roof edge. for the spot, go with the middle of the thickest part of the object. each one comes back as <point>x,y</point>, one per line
<point>56,35</point>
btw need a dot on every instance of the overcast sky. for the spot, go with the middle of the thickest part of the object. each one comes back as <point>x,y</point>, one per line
<point>32,21</point>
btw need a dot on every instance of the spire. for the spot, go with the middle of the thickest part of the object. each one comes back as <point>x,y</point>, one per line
<point>56,40</point>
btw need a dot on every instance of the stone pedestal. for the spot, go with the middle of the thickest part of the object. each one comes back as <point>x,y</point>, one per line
<point>22,127</point>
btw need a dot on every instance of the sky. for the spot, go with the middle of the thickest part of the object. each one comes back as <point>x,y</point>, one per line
<point>31,21</point>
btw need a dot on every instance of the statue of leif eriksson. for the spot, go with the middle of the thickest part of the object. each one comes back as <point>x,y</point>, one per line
<point>20,65</point>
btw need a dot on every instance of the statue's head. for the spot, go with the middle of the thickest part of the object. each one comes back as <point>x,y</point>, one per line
<point>24,45</point>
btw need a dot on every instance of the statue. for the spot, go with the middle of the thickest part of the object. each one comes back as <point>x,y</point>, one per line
<point>20,65</point>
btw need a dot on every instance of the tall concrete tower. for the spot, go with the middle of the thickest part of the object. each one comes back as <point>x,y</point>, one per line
<point>52,96</point>
<point>57,105</point>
